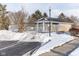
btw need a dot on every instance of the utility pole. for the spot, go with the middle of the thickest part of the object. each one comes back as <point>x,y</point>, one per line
<point>49,22</point>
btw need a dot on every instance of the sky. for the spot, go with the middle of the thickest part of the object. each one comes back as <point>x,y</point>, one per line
<point>56,8</point>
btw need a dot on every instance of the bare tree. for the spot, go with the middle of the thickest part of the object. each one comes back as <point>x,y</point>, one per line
<point>13,18</point>
<point>21,17</point>
<point>74,19</point>
<point>18,18</point>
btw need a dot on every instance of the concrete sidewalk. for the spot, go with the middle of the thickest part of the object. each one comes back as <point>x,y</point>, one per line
<point>63,50</point>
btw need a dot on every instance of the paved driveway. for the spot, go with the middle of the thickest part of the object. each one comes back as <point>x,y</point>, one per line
<point>19,49</point>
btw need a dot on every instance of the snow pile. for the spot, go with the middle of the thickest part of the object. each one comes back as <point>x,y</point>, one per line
<point>8,35</point>
<point>11,36</point>
<point>40,37</point>
<point>28,36</point>
<point>56,40</point>
<point>75,52</point>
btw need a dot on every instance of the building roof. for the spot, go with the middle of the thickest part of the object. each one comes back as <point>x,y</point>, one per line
<point>56,19</point>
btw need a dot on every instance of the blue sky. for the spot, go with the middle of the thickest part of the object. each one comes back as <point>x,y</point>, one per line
<point>67,8</point>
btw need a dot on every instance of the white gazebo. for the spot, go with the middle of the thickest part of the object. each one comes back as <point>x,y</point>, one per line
<point>42,25</point>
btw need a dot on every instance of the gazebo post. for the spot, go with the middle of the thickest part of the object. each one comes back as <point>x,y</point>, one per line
<point>37,27</point>
<point>43,26</point>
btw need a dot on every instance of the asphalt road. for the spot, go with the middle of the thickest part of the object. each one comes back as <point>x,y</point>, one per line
<point>19,49</point>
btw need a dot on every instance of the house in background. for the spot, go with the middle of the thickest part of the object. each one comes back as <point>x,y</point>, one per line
<point>57,25</point>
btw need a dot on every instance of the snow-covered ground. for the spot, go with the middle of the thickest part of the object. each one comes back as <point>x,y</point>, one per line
<point>56,39</point>
<point>8,35</point>
<point>13,36</point>
<point>75,52</point>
